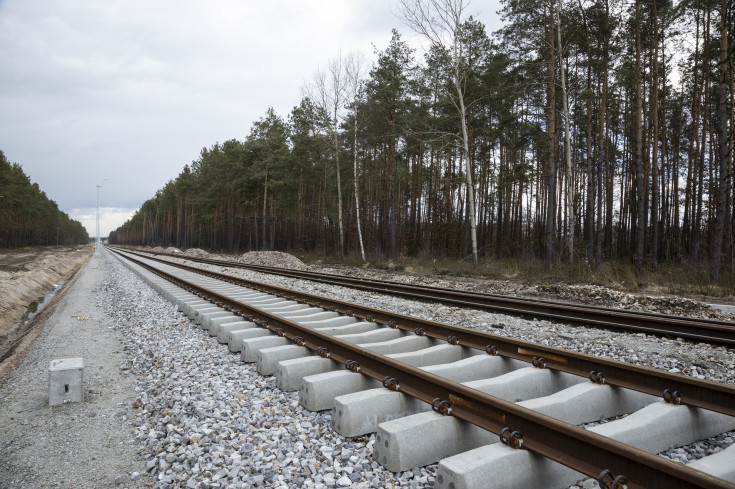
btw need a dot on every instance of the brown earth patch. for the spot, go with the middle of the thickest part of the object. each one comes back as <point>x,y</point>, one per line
<point>29,273</point>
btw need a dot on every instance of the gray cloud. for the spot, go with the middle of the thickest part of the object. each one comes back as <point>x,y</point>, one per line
<point>131,91</point>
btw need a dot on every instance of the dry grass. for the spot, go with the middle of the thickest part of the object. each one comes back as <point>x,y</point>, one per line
<point>684,279</point>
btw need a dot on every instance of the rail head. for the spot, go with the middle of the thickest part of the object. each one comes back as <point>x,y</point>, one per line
<point>694,329</point>
<point>705,394</point>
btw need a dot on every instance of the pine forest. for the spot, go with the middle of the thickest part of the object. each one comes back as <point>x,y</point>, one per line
<point>28,217</point>
<point>583,131</point>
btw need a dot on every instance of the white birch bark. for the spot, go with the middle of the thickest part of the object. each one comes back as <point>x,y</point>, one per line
<point>567,147</point>
<point>439,22</point>
<point>354,73</point>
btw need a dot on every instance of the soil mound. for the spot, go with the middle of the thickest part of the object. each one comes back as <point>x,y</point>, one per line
<point>198,252</point>
<point>272,259</point>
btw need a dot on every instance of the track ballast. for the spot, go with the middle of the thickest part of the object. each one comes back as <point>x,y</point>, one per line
<point>519,426</point>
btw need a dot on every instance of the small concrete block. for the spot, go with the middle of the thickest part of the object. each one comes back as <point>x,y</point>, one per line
<point>317,316</point>
<point>725,307</point>
<point>292,372</point>
<point>66,381</point>
<point>500,467</point>
<point>318,391</point>
<point>235,338</point>
<point>223,333</point>
<point>425,438</point>
<point>268,358</point>
<point>212,323</point>
<point>359,327</point>
<point>375,335</point>
<point>477,367</point>
<point>650,429</point>
<point>251,346</point>
<point>433,355</point>
<point>720,464</point>
<point>401,345</point>
<point>331,322</point>
<point>361,412</point>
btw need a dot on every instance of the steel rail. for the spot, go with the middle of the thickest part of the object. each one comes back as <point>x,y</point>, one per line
<point>682,389</point>
<point>579,449</point>
<point>705,330</point>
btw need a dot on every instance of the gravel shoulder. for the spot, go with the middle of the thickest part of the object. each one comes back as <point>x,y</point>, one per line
<point>80,445</point>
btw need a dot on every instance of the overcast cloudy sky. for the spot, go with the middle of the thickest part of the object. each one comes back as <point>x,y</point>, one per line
<point>131,90</point>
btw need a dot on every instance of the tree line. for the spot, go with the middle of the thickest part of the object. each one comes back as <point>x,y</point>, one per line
<point>582,131</point>
<point>28,217</point>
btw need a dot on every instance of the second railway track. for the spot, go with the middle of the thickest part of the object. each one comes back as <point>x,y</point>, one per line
<point>487,364</point>
<point>696,329</point>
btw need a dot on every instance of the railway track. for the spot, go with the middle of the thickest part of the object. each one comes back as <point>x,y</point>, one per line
<point>454,390</point>
<point>705,330</point>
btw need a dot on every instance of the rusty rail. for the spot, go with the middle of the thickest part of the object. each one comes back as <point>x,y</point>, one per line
<point>705,330</point>
<point>579,449</point>
<point>706,394</point>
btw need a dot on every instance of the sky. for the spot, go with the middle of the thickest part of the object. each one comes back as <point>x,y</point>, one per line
<point>124,93</point>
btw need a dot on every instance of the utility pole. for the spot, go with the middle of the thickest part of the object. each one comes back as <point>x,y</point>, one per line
<point>97,245</point>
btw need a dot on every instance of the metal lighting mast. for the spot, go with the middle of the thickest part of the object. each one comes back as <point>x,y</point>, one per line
<point>98,214</point>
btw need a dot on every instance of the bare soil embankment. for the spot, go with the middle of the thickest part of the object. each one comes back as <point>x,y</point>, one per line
<point>29,273</point>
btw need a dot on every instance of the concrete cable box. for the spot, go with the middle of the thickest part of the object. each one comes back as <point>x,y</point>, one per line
<point>66,380</point>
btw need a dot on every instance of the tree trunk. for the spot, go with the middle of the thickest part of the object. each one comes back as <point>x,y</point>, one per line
<point>551,128</point>
<point>723,157</point>
<point>697,225</point>
<point>357,191</point>
<point>265,210</point>
<point>468,167</point>
<point>638,155</point>
<point>654,143</point>
<point>339,189</point>
<point>567,150</point>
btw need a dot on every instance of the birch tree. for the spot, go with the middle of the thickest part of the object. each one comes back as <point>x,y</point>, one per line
<point>439,22</point>
<point>354,70</point>
<point>567,146</point>
<point>330,89</point>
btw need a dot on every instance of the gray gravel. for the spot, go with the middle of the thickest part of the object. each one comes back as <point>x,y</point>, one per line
<point>170,407</point>
<point>675,355</point>
<point>205,419</point>
<point>79,445</point>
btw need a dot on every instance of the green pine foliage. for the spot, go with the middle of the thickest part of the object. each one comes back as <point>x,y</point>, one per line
<point>277,188</point>
<point>28,217</point>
